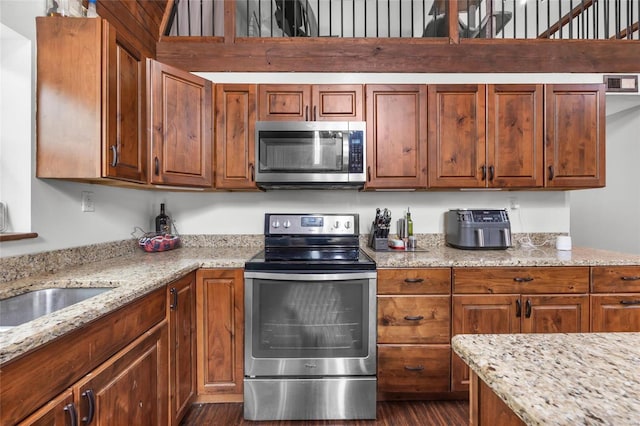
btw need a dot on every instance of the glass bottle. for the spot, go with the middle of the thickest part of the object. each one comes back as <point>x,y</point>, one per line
<point>163,222</point>
<point>409,224</point>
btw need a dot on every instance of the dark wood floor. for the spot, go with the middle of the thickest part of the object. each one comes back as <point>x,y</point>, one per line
<point>401,413</point>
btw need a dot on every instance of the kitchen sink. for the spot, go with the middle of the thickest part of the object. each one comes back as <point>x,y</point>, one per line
<point>34,304</point>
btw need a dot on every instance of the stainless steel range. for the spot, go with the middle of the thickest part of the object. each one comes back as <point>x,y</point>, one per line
<point>310,321</point>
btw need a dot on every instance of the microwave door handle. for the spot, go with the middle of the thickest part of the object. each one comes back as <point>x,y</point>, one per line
<point>346,137</point>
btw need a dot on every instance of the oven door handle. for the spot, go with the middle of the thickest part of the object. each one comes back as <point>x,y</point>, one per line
<point>296,276</point>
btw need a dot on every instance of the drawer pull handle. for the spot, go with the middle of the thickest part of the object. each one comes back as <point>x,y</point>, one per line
<point>518,308</point>
<point>527,309</point>
<point>636,278</point>
<point>70,409</point>
<point>414,368</point>
<point>414,318</point>
<point>174,299</point>
<point>630,302</point>
<point>523,279</point>
<point>91,401</point>
<point>414,280</point>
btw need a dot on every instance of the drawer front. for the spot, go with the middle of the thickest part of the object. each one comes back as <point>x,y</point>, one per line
<point>615,313</point>
<point>414,281</point>
<point>615,279</point>
<point>563,279</point>
<point>413,368</point>
<point>414,319</point>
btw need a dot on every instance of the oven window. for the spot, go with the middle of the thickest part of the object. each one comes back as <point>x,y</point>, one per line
<point>296,319</point>
<point>301,151</point>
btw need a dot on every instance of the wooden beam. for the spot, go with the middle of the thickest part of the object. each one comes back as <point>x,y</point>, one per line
<point>400,55</point>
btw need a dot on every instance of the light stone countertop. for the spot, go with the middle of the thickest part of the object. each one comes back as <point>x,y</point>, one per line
<point>560,379</point>
<point>138,273</point>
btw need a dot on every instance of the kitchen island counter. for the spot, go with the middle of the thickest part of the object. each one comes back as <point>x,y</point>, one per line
<point>559,379</point>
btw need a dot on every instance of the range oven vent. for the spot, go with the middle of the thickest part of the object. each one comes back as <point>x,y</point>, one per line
<point>621,83</point>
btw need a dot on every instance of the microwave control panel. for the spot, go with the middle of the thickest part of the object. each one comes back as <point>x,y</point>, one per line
<point>311,224</point>
<point>356,151</point>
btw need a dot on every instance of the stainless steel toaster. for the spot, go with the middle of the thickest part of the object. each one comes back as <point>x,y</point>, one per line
<point>477,229</point>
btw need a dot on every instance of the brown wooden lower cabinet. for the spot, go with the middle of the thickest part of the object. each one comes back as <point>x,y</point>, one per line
<point>181,315</point>
<point>486,408</point>
<point>220,334</point>
<point>59,411</point>
<point>615,312</point>
<point>407,370</point>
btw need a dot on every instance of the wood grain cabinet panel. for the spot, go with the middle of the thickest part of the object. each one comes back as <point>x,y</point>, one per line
<point>58,412</point>
<point>90,102</point>
<point>515,137</point>
<point>555,313</point>
<point>575,135</point>
<point>414,281</point>
<point>457,139</point>
<point>220,333</point>
<point>560,279</point>
<point>615,312</point>
<point>396,136</point>
<point>414,319</point>
<point>181,314</point>
<point>303,102</point>
<point>235,115</point>
<point>413,369</point>
<point>615,279</point>
<point>181,120</point>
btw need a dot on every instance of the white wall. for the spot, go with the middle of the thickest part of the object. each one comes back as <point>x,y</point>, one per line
<point>608,218</point>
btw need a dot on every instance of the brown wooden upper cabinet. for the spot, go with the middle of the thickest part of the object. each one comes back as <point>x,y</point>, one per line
<point>324,102</point>
<point>89,127</point>
<point>575,136</point>
<point>396,136</point>
<point>180,113</point>
<point>235,115</point>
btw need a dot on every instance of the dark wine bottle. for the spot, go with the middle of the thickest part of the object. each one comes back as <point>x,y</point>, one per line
<point>163,222</point>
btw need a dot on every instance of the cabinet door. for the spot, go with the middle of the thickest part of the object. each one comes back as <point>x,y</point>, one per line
<point>411,369</point>
<point>220,329</point>
<point>615,312</point>
<point>457,150</point>
<point>341,102</point>
<point>235,114</point>
<point>58,412</point>
<point>481,314</point>
<point>515,142</point>
<point>414,319</point>
<point>130,388</point>
<point>182,345</point>
<point>125,152</point>
<point>575,135</point>
<point>555,313</point>
<point>284,102</point>
<point>396,136</point>
<point>181,119</point>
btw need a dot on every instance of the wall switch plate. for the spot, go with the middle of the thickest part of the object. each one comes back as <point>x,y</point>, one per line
<point>513,203</point>
<point>87,202</point>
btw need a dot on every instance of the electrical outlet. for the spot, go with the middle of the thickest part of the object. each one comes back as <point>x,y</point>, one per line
<point>87,202</point>
<point>513,203</point>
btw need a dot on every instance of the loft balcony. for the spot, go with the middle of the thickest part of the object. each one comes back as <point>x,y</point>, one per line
<point>426,36</point>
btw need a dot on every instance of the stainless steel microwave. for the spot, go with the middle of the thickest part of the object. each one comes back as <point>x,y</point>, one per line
<point>310,154</point>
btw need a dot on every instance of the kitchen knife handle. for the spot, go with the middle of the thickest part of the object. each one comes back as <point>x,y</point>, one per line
<point>91,406</point>
<point>633,278</point>
<point>156,166</point>
<point>527,309</point>
<point>414,318</point>
<point>114,151</point>
<point>174,299</point>
<point>70,409</point>
<point>414,368</point>
<point>518,308</point>
<point>523,279</point>
<point>252,168</point>
<point>630,302</point>
<point>484,172</point>
<point>551,172</point>
<point>414,280</point>
<point>492,171</point>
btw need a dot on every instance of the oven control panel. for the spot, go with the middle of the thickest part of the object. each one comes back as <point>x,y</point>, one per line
<point>311,224</point>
